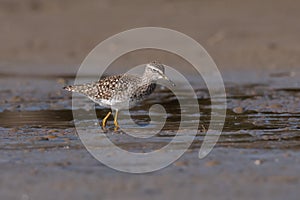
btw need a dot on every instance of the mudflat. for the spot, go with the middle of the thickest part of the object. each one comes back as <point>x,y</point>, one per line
<point>255,45</point>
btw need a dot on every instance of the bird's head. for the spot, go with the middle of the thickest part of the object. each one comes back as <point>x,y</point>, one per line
<point>157,71</point>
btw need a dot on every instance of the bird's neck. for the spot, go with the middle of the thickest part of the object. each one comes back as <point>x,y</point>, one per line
<point>146,79</point>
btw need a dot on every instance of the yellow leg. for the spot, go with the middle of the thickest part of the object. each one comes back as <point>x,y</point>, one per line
<point>116,120</point>
<point>105,119</point>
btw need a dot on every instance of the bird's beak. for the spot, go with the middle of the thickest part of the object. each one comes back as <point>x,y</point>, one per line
<point>167,78</point>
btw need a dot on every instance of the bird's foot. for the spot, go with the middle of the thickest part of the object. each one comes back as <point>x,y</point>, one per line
<point>105,119</point>
<point>117,127</point>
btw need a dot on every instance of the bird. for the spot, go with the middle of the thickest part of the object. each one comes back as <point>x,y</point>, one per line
<point>122,91</point>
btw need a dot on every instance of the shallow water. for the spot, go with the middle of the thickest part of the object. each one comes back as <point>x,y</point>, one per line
<point>258,116</point>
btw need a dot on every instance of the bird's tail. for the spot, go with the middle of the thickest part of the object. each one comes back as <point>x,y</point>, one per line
<point>73,88</point>
<point>86,89</point>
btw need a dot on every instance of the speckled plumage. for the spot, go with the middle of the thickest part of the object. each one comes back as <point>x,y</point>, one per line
<point>122,91</point>
<point>116,91</point>
<point>119,90</point>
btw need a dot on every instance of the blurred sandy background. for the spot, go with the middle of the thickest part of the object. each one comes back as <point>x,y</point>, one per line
<point>237,34</point>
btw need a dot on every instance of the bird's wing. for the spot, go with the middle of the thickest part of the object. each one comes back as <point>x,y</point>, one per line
<point>115,85</point>
<point>108,87</point>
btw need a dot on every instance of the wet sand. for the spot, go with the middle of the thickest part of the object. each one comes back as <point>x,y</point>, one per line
<point>227,173</point>
<point>256,156</point>
<point>256,48</point>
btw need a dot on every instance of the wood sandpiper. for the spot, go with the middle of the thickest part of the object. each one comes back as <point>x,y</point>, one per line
<point>122,91</point>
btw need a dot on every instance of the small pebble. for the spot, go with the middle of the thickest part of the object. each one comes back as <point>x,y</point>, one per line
<point>258,162</point>
<point>48,137</point>
<point>238,110</point>
<point>212,163</point>
<point>52,131</point>
<point>275,106</point>
<point>181,163</point>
